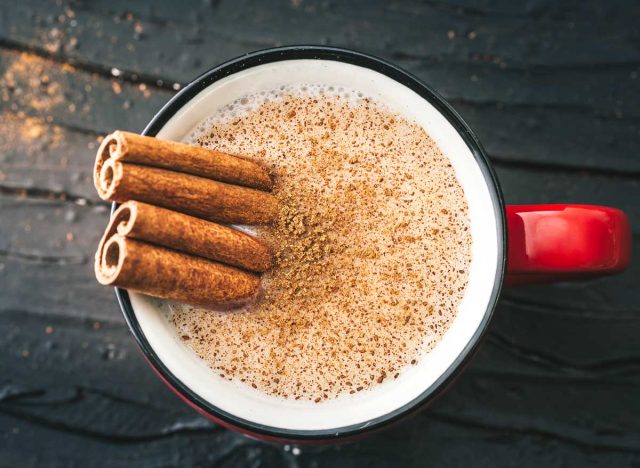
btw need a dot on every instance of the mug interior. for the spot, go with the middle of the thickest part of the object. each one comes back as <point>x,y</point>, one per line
<point>252,409</point>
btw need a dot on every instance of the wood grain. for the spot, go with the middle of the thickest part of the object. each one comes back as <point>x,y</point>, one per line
<point>552,90</point>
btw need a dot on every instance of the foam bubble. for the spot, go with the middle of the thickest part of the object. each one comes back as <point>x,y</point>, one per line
<point>250,102</point>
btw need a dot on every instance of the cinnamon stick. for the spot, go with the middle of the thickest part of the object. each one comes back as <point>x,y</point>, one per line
<point>195,160</point>
<point>187,234</point>
<point>193,195</point>
<point>157,271</point>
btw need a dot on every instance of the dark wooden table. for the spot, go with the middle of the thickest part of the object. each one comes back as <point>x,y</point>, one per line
<point>553,91</point>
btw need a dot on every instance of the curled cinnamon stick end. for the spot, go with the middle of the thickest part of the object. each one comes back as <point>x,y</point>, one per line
<point>191,235</point>
<point>195,160</point>
<point>193,195</point>
<point>168,274</point>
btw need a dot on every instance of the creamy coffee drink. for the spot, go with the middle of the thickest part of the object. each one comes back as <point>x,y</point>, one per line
<point>372,246</point>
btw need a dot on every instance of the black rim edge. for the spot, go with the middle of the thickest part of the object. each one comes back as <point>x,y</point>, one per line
<point>426,92</point>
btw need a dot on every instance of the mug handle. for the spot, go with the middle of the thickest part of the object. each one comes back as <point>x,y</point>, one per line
<point>564,242</point>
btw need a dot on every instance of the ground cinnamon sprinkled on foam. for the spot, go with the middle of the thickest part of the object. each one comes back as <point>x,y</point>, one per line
<point>372,247</point>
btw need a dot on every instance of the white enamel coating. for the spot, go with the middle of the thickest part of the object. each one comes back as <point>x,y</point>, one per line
<point>360,408</point>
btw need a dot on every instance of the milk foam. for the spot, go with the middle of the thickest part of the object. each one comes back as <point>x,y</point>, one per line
<point>398,246</point>
<point>253,101</point>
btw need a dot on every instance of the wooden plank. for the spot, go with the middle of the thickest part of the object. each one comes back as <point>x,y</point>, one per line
<point>529,185</point>
<point>52,263</point>
<point>549,344</point>
<point>51,220</point>
<point>59,449</point>
<point>513,135</point>
<point>52,276</point>
<point>71,290</point>
<point>438,443</point>
<point>474,76</point>
<point>86,102</point>
<point>598,94</point>
<point>132,416</point>
<point>562,347</point>
<point>545,138</point>
<point>522,99</point>
<point>595,34</point>
<point>46,258</point>
<point>38,156</point>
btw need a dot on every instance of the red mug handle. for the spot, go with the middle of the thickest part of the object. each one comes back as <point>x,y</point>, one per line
<point>562,242</point>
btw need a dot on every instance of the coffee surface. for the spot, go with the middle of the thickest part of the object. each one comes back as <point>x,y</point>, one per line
<point>372,244</point>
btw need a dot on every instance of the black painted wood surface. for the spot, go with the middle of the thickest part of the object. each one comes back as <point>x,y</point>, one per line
<point>552,89</point>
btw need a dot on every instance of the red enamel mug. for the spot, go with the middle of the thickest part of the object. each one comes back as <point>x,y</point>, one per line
<point>512,245</point>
